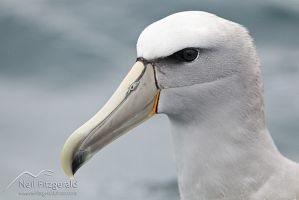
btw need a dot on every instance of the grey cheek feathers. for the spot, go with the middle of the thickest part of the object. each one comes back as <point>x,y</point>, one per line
<point>175,100</point>
<point>178,83</point>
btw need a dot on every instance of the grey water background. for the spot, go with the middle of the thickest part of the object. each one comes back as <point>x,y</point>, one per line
<point>61,60</point>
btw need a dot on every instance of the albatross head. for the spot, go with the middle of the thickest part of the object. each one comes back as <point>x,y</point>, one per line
<point>199,69</point>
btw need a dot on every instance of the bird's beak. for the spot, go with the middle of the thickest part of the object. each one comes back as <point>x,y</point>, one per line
<point>134,101</point>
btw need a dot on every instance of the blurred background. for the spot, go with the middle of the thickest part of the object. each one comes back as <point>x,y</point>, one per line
<point>61,60</point>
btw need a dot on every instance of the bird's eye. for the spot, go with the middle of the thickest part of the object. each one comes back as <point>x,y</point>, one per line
<point>188,54</point>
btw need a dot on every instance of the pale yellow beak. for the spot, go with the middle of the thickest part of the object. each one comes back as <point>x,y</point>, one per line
<point>134,101</point>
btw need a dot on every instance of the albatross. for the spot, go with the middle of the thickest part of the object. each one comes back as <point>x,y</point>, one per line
<point>204,73</point>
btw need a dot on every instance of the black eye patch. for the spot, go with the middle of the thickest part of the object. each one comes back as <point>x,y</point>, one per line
<point>187,55</point>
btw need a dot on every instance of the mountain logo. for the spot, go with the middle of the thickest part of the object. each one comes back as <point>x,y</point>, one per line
<point>45,172</point>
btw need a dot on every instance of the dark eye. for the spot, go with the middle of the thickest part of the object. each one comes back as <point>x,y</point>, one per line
<point>188,54</point>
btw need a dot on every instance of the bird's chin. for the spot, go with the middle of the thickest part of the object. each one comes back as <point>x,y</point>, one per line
<point>133,102</point>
